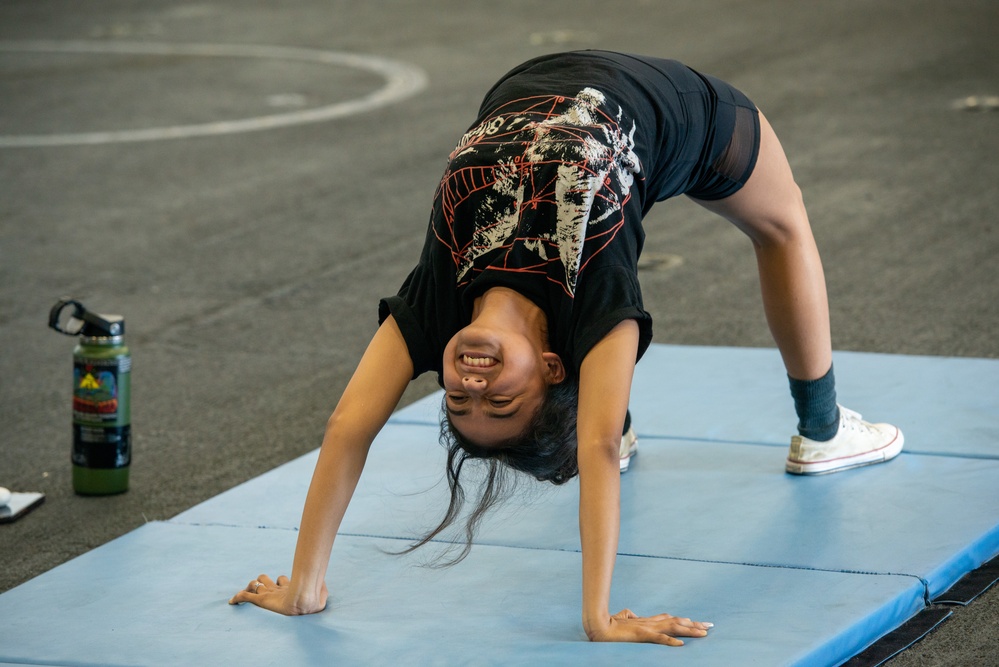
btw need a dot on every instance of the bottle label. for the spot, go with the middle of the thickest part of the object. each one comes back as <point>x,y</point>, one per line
<point>101,414</point>
<point>97,391</point>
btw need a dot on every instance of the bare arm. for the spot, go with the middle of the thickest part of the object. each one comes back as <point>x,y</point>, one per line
<point>604,387</point>
<point>604,390</point>
<point>369,399</point>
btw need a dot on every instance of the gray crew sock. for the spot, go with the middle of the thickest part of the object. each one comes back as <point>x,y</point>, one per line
<point>815,404</point>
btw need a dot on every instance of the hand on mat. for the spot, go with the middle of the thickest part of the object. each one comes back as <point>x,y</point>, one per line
<point>279,596</point>
<point>626,626</point>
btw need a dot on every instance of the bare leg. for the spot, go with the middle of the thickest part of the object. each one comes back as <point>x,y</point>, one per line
<point>770,210</point>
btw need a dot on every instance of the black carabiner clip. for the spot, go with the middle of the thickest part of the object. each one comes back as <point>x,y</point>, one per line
<point>72,325</point>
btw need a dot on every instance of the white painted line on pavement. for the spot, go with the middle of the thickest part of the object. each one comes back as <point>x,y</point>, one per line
<point>401,81</point>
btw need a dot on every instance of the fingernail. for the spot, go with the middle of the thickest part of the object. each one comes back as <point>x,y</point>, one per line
<point>708,625</point>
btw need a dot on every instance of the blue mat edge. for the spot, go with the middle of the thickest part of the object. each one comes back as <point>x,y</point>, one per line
<point>868,630</point>
<point>976,554</point>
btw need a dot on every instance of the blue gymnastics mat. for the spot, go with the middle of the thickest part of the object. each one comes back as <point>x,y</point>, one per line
<point>792,571</point>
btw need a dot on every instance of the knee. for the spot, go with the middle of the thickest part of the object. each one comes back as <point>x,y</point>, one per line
<point>784,222</point>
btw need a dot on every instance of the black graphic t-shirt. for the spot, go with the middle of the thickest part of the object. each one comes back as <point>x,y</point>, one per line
<point>545,194</point>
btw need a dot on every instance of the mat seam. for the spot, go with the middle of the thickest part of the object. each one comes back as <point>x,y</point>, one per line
<point>757,443</point>
<point>924,582</point>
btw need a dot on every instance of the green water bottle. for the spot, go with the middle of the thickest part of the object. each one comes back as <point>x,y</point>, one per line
<point>102,442</point>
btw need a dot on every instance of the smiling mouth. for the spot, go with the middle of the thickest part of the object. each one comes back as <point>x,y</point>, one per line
<point>478,362</point>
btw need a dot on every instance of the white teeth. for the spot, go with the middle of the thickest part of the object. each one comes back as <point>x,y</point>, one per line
<point>481,362</point>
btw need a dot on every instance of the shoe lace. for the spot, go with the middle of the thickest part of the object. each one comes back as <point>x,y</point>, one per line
<point>854,421</point>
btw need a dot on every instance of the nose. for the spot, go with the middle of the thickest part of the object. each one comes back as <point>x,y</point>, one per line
<point>474,385</point>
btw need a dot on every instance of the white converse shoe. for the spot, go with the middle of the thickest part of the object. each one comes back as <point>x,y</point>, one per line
<point>629,447</point>
<point>857,443</point>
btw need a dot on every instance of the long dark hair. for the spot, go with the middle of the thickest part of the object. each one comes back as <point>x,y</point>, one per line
<point>546,451</point>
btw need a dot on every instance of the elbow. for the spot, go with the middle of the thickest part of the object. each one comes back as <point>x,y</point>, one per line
<point>336,425</point>
<point>332,422</point>
<point>601,453</point>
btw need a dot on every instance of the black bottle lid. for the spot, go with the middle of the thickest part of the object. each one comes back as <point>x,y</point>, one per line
<point>82,322</point>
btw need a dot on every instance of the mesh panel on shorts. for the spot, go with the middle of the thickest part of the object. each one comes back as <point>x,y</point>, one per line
<point>738,158</point>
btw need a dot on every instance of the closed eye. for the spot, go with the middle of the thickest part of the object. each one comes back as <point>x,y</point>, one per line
<point>459,399</point>
<point>454,402</point>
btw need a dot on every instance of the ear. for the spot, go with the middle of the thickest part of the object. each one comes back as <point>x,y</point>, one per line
<point>554,370</point>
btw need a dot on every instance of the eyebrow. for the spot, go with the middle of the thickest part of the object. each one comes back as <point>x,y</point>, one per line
<point>491,415</point>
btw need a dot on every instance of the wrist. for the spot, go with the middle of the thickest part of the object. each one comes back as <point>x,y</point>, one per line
<point>595,624</point>
<point>307,600</point>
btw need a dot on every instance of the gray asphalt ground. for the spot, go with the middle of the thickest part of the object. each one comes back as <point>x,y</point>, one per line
<point>249,265</point>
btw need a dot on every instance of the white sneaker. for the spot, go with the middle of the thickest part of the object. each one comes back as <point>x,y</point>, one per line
<point>857,443</point>
<point>629,447</point>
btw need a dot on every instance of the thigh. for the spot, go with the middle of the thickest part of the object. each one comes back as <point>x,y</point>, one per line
<point>769,206</point>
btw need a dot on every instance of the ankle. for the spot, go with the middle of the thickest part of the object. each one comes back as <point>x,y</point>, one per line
<point>815,405</point>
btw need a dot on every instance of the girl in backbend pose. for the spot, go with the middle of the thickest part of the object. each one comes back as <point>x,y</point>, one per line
<point>526,303</point>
